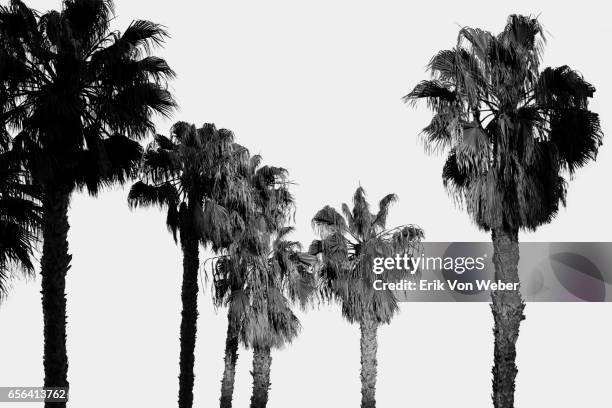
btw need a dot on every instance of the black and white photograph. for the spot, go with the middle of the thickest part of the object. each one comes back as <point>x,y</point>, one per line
<point>305,204</point>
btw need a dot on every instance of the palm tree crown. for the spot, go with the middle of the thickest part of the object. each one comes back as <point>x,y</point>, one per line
<point>195,175</point>
<point>510,129</point>
<point>263,272</point>
<point>349,243</point>
<point>79,93</point>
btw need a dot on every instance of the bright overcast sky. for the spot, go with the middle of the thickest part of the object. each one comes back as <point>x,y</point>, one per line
<point>316,87</point>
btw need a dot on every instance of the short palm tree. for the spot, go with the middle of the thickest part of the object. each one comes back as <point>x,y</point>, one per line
<point>20,217</point>
<point>280,277</point>
<point>511,132</point>
<point>349,243</point>
<point>79,96</point>
<point>231,291</point>
<point>259,278</point>
<point>192,174</point>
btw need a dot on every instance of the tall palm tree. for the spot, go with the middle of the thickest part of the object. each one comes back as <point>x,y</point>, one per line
<point>259,278</point>
<point>349,243</point>
<point>512,131</point>
<point>80,96</point>
<point>193,174</point>
<point>20,217</point>
<point>230,271</point>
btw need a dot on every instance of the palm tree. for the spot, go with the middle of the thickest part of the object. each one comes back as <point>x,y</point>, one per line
<point>511,131</point>
<point>259,278</point>
<point>349,243</point>
<point>280,278</point>
<point>20,217</point>
<point>193,174</point>
<point>230,290</point>
<point>229,280</point>
<point>80,96</point>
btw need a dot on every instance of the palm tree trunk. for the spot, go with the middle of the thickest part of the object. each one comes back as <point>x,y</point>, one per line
<point>369,346</point>
<point>189,316</point>
<point>55,263</point>
<point>262,360</point>
<point>507,307</point>
<point>229,372</point>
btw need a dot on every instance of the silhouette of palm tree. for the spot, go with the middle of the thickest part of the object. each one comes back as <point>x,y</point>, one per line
<point>80,96</point>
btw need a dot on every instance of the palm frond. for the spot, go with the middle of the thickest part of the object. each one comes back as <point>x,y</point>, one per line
<point>328,220</point>
<point>383,210</point>
<point>145,195</point>
<point>577,135</point>
<point>562,87</point>
<point>433,91</point>
<point>145,34</point>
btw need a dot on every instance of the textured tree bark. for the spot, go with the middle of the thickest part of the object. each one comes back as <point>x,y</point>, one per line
<point>369,347</point>
<point>262,360</point>
<point>55,263</point>
<point>229,372</point>
<point>507,307</point>
<point>189,316</point>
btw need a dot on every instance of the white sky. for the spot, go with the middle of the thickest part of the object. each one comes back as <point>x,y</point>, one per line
<point>315,87</point>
